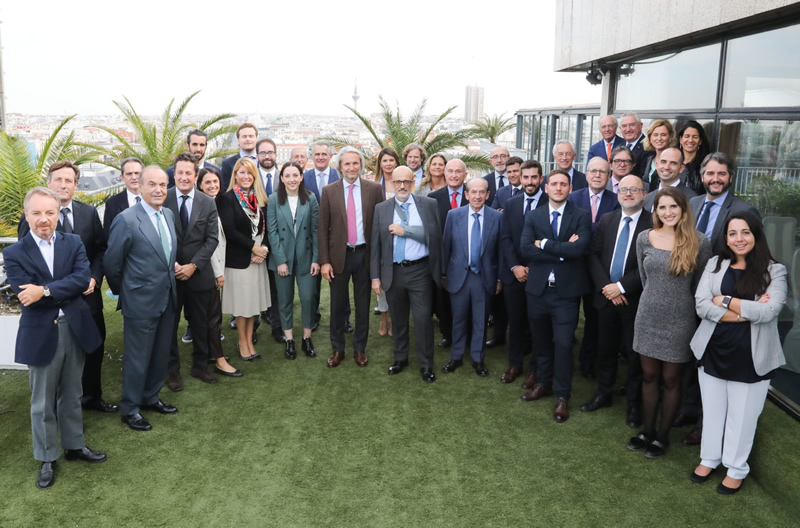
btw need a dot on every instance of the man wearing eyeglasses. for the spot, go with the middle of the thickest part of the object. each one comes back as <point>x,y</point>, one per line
<point>622,161</point>
<point>405,255</point>
<point>498,178</point>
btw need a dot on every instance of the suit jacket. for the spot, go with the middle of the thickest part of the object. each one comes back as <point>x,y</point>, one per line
<point>332,229</point>
<point>455,248</point>
<point>37,337</point>
<point>382,251</point>
<point>608,203</point>
<point>114,206</point>
<point>493,190</point>
<point>171,174</point>
<point>649,200</point>
<point>601,254</point>
<point>599,148</point>
<point>571,276</point>
<point>513,222</point>
<point>578,180</point>
<point>197,244</point>
<point>310,179</point>
<point>731,205</point>
<point>502,197</point>
<point>442,197</point>
<point>639,155</point>
<point>236,225</point>
<point>287,244</point>
<point>136,267</point>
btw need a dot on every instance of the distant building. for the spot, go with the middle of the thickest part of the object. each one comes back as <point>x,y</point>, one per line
<point>473,108</point>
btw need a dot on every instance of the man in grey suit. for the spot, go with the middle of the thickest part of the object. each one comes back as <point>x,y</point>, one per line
<point>405,255</point>
<point>198,236</point>
<point>669,165</point>
<point>140,268</point>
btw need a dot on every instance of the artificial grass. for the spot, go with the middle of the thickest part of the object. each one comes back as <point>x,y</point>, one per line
<point>294,443</point>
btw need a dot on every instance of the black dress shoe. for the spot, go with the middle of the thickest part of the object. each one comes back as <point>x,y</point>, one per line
<point>137,422</point>
<point>277,335</point>
<point>427,375</point>
<point>444,343</point>
<point>161,407</point>
<point>47,475</point>
<point>235,374</point>
<point>656,449</point>
<point>700,479</point>
<point>452,365</point>
<point>290,351</point>
<point>348,328</point>
<point>100,405</point>
<point>85,454</point>
<point>638,442</point>
<point>187,336</point>
<point>722,489</point>
<point>495,341</point>
<point>633,417</point>
<point>397,367</point>
<point>598,402</point>
<point>480,369</point>
<point>308,347</point>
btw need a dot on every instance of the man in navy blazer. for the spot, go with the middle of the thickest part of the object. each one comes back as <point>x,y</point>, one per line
<point>631,127</point>
<point>49,272</point>
<point>497,179</point>
<point>246,136</point>
<point>470,256</point>
<point>514,186</point>
<point>564,155</point>
<point>196,143</point>
<point>554,242</point>
<point>140,268</point>
<point>130,170</point>
<point>609,141</point>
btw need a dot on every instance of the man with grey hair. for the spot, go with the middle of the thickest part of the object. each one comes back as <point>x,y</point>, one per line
<point>497,179</point>
<point>299,155</point>
<point>609,141</point>
<point>415,156</point>
<point>564,154</point>
<point>631,127</point>
<point>322,174</point>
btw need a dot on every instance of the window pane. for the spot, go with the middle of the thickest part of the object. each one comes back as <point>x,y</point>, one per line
<point>758,74</point>
<point>687,80</point>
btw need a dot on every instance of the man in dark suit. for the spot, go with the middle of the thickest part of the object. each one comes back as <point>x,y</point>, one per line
<point>405,256</point>
<point>564,154</point>
<point>470,257</point>
<point>140,268</point>
<point>196,144</point>
<point>197,232</point>
<point>49,273</point>
<point>617,288</point>
<point>345,227</point>
<point>246,136</point>
<point>451,196</point>
<point>514,271</point>
<point>130,171</point>
<point>82,219</point>
<point>631,127</point>
<point>610,140</point>
<point>669,166</point>
<point>554,242</point>
<point>621,165</point>
<point>514,186</point>
<point>497,179</point>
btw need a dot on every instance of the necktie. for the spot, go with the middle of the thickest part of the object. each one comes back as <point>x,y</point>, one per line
<point>608,151</point>
<point>502,183</point>
<point>630,145</point>
<point>162,234</point>
<point>618,262</point>
<point>528,207</point>
<point>268,186</point>
<point>320,181</point>
<point>67,225</point>
<point>184,213</point>
<point>454,202</point>
<point>702,225</point>
<point>594,207</point>
<point>400,245</point>
<point>514,191</point>
<point>138,199</point>
<point>554,224</point>
<point>352,234</point>
<point>475,245</point>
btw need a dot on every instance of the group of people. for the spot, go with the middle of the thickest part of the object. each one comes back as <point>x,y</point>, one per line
<point>643,254</point>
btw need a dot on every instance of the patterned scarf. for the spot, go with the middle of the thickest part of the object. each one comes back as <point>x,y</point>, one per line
<point>249,204</point>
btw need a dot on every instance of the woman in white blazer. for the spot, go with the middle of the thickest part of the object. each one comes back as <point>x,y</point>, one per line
<point>739,298</point>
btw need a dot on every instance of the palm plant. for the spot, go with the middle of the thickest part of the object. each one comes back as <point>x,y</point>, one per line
<point>401,133</point>
<point>21,170</point>
<point>159,143</point>
<point>491,128</point>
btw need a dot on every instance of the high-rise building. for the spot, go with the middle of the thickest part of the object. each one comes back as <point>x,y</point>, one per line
<point>473,108</point>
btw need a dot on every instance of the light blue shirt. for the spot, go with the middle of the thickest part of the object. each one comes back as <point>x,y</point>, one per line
<point>189,202</point>
<point>70,215</point>
<point>322,179</point>
<point>132,198</point>
<point>418,174</point>
<point>713,213</point>
<point>47,248</point>
<point>151,213</point>
<point>414,250</point>
<point>535,203</point>
<point>243,154</point>
<point>359,218</point>
<point>471,220</point>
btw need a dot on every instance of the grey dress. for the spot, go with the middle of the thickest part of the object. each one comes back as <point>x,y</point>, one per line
<point>666,319</point>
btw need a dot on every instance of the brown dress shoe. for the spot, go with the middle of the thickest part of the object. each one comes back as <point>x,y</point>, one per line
<point>335,359</point>
<point>693,438</point>
<point>203,375</point>
<point>175,382</point>
<point>361,359</point>
<point>561,411</point>
<point>530,381</point>
<point>538,391</point>
<point>510,375</point>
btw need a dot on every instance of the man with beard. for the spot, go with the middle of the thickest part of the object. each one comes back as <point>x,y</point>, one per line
<point>196,144</point>
<point>497,179</point>
<point>514,186</point>
<point>415,157</point>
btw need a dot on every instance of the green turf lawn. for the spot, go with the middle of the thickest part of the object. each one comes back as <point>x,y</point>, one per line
<point>294,443</point>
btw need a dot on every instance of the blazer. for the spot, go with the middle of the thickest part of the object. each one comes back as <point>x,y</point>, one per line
<point>765,343</point>
<point>37,337</point>
<point>288,246</point>
<point>608,203</point>
<point>136,267</point>
<point>513,222</point>
<point>639,155</point>
<point>455,248</point>
<point>601,254</point>
<point>199,241</point>
<point>599,148</point>
<point>490,178</point>
<point>236,225</point>
<point>731,205</point>
<point>332,230</point>
<point>382,251</point>
<point>442,197</point>
<point>114,206</point>
<point>571,275</point>
<point>310,179</point>
<point>503,195</point>
<point>578,180</point>
<point>171,174</point>
<point>649,200</point>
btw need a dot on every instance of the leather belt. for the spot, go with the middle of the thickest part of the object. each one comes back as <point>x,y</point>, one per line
<point>407,263</point>
<point>551,284</point>
<point>355,248</point>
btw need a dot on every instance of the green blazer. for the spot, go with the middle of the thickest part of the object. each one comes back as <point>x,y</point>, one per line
<point>285,244</point>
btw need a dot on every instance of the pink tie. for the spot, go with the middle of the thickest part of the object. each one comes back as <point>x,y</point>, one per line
<point>594,208</point>
<point>616,187</point>
<point>352,235</point>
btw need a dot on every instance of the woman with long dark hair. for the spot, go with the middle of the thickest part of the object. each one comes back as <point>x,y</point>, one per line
<point>737,345</point>
<point>692,141</point>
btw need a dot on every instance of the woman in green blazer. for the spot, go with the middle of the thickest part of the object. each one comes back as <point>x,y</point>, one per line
<point>292,229</point>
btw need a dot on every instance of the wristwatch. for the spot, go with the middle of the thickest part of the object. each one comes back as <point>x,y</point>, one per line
<point>726,301</point>
<point>46,291</point>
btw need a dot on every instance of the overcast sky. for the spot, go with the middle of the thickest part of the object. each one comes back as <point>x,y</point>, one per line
<point>290,56</point>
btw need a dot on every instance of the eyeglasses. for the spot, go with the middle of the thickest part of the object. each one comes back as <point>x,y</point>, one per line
<point>265,154</point>
<point>632,190</point>
<point>403,183</point>
<point>622,162</point>
<point>595,172</point>
<point>499,156</point>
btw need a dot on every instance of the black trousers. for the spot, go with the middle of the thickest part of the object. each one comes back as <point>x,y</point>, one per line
<point>588,353</point>
<point>519,331</point>
<point>615,330</point>
<point>196,303</point>
<point>500,314</point>
<point>411,292</point>
<point>355,268</point>
<point>92,379</point>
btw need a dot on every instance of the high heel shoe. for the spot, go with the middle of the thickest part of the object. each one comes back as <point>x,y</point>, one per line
<point>290,351</point>
<point>244,358</point>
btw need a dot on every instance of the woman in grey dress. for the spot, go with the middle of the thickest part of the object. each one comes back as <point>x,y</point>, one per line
<point>671,257</point>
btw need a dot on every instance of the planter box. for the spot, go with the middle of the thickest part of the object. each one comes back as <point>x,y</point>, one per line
<point>8,339</point>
